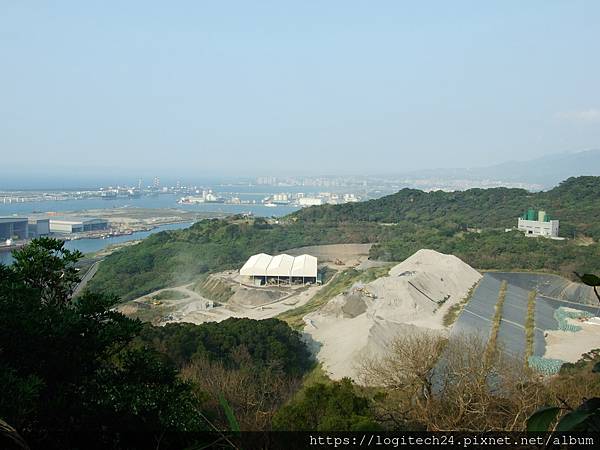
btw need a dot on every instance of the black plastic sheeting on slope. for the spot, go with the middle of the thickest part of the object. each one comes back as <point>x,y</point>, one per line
<point>511,339</point>
<point>515,305</point>
<point>475,319</point>
<point>530,281</point>
<point>470,324</point>
<point>483,300</point>
<point>544,314</point>
<point>479,312</point>
<point>549,285</point>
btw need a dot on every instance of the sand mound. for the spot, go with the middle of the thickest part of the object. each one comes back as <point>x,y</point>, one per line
<point>363,321</point>
<point>255,297</point>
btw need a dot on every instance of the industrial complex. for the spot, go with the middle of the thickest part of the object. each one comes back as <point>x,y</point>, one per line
<point>22,228</point>
<point>538,223</point>
<point>38,227</point>
<point>77,226</point>
<point>14,227</point>
<point>263,269</point>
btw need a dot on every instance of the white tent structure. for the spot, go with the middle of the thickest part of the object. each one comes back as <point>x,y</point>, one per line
<point>263,268</point>
<point>304,266</point>
<point>281,267</point>
<point>256,265</point>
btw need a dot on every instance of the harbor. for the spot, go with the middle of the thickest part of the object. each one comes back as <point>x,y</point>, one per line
<point>92,245</point>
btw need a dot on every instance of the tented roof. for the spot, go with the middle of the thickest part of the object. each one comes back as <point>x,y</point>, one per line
<point>304,266</point>
<point>280,266</point>
<point>256,265</point>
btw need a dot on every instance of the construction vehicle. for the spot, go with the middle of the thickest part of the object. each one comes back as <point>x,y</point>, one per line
<point>364,291</point>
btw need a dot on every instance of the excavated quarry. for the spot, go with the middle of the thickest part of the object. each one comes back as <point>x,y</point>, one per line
<point>413,297</point>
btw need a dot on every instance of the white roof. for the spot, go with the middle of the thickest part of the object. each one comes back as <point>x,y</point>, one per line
<point>304,266</point>
<point>280,266</point>
<point>256,265</point>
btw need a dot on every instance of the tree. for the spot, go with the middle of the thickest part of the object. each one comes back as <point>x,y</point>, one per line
<point>70,374</point>
<point>441,385</point>
<point>565,418</point>
<point>47,266</point>
<point>327,407</point>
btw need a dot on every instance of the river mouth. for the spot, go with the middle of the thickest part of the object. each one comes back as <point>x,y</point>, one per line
<point>93,245</point>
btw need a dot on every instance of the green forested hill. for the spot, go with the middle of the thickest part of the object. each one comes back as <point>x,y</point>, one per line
<point>400,224</point>
<point>575,202</point>
<point>177,257</point>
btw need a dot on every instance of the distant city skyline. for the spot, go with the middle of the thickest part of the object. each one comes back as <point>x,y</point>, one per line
<point>94,93</point>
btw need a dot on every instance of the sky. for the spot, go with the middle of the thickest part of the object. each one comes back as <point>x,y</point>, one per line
<point>196,88</point>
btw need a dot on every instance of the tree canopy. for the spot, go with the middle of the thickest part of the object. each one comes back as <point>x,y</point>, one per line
<point>75,373</point>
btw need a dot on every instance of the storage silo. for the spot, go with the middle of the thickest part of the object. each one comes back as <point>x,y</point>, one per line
<point>542,216</point>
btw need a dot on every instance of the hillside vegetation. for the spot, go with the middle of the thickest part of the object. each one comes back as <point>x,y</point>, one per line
<point>575,202</point>
<point>76,373</point>
<point>400,224</point>
<point>177,257</point>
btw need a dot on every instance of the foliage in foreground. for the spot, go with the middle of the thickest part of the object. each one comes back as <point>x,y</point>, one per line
<point>584,418</point>
<point>76,373</point>
<point>68,374</point>
<point>327,407</point>
<point>268,343</point>
<point>426,382</point>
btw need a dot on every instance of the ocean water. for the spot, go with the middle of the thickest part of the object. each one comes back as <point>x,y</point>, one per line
<point>159,201</point>
<point>94,245</point>
<point>245,193</point>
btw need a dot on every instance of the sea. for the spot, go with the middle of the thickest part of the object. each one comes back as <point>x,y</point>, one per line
<point>159,201</point>
<point>94,245</point>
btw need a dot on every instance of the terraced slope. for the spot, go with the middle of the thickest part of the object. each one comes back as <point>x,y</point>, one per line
<point>553,292</point>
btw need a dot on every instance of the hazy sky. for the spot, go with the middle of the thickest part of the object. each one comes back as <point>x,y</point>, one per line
<point>266,87</point>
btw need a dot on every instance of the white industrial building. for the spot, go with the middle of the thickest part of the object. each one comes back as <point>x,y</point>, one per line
<point>77,226</point>
<point>264,269</point>
<point>541,225</point>
<point>310,201</point>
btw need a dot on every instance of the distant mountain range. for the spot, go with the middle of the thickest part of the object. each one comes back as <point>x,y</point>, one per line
<point>546,171</point>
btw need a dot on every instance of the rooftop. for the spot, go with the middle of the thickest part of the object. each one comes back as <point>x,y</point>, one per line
<point>12,219</point>
<point>282,265</point>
